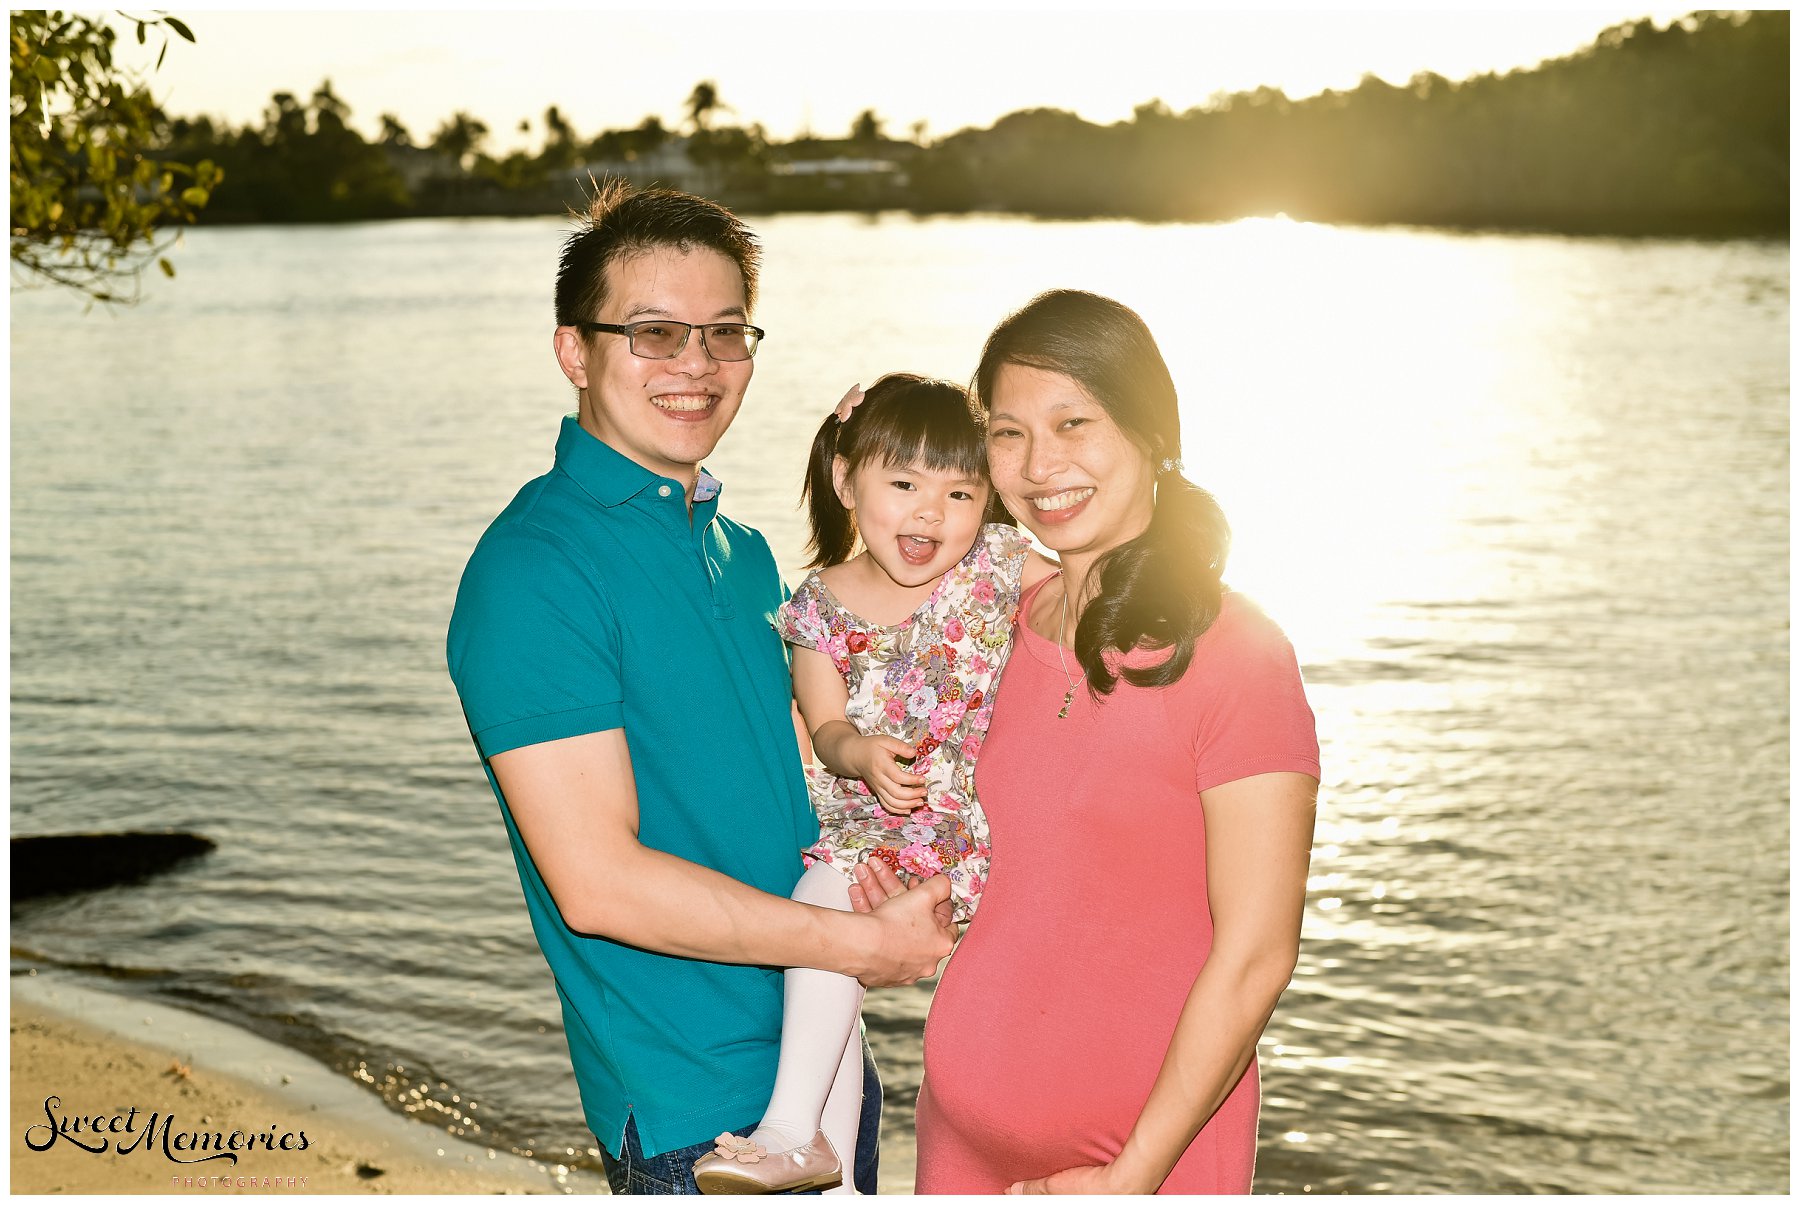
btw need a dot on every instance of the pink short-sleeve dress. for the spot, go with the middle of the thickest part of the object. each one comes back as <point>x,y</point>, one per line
<point>1051,1022</point>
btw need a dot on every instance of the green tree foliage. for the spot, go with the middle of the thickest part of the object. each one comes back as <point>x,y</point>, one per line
<point>866,129</point>
<point>628,144</point>
<point>304,163</point>
<point>561,146</point>
<point>394,132</point>
<point>739,154</point>
<point>460,137</point>
<point>93,202</point>
<point>1682,129</point>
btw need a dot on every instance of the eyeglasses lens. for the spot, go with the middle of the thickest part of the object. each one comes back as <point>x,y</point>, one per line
<point>732,341</point>
<point>664,341</point>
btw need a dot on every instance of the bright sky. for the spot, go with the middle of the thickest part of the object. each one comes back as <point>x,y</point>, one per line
<point>948,66</point>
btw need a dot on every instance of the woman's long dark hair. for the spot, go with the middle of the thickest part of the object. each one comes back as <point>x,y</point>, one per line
<point>904,420</point>
<point>1160,590</point>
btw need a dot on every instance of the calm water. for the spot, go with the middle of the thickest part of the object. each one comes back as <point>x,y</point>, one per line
<point>1520,502</point>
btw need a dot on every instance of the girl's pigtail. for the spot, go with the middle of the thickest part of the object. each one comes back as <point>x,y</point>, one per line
<point>833,524</point>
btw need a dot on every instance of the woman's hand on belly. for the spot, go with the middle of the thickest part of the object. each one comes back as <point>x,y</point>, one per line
<point>1104,1180</point>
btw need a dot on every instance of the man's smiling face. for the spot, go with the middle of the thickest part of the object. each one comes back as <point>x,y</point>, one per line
<point>666,415</point>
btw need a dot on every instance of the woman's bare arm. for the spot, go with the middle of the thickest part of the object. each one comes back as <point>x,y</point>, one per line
<point>1258,847</point>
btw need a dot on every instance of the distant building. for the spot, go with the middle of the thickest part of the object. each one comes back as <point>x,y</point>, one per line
<point>667,164</point>
<point>827,173</point>
<point>839,166</point>
<point>418,166</point>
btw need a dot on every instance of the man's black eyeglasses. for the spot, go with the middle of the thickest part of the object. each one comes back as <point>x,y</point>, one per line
<point>660,339</point>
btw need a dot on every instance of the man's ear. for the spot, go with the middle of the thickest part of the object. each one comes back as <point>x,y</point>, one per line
<point>840,482</point>
<point>571,355</point>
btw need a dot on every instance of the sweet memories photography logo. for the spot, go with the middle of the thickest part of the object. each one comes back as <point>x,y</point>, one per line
<point>134,1131</point>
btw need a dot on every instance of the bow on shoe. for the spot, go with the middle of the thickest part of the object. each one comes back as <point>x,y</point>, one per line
<point>730,1146</point>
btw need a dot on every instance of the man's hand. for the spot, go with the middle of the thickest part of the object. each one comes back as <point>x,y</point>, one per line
<point>917,933</point>
<point>875,883</point>
<point>875,760</point>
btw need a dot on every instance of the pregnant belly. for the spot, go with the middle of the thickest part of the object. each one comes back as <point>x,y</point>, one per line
<point>1041,1054</point>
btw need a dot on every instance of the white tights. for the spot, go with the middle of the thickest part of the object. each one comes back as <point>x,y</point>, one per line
<point>818,1083</point>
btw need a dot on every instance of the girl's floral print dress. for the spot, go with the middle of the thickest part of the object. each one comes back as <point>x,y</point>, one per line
<point>929,681</point>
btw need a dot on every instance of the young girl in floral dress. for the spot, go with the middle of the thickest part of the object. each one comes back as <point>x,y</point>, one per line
<point>897,651</point>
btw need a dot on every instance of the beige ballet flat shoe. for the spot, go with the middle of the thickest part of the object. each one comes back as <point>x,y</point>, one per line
<point>738,1165</point>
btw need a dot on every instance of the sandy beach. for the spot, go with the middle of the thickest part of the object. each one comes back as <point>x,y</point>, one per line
<point>184,1075</point>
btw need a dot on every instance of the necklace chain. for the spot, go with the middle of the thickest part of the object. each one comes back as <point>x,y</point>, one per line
<point>1062,623</point>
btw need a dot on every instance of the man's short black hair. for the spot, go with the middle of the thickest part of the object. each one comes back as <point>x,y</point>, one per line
<point>623,221</point>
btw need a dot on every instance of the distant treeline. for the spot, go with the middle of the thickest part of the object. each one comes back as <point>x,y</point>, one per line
<point>1679,130</point>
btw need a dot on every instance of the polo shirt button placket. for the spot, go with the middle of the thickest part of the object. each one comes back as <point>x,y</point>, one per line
<point>663,491</point>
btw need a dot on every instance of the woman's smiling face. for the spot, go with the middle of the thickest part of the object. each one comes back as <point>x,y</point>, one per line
<point>1063,466</point>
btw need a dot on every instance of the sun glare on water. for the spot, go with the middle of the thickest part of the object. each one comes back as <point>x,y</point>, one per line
<point>1346,395</point>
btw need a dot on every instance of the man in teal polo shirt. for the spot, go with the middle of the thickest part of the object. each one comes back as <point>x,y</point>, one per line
<point>631,704</point>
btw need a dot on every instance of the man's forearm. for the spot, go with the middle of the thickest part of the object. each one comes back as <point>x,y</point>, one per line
<point>575,804</point>
<point>660,902</point>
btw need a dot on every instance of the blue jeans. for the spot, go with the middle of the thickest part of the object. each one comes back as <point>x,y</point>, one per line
<point>672,1172</point>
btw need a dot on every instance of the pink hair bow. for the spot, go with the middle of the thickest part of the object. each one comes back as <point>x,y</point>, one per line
<point>848,402</point>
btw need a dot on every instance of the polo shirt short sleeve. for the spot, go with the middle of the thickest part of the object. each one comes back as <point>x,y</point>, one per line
<point>535,667</point>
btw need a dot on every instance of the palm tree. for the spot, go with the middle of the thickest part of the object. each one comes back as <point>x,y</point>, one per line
<point>393,133</point>
<point>460,136</point>
<point>559,140</point>
<point>703,102</point>
<point>329,111</point>
<point>324,100</point>
<point>284,120</point>
<point>557,127</point>
<point>867,128</point>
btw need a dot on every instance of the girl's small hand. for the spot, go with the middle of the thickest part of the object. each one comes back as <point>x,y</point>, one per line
<point>898,789</point>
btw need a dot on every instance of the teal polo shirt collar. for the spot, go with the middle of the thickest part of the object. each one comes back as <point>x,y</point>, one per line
<point>611,478</point>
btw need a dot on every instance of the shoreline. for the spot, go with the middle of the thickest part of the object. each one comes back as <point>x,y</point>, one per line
<point>1397,223</point>
<point>104,1055</point>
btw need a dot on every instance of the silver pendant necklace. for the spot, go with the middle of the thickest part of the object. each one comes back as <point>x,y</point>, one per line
<point>1062,623</point>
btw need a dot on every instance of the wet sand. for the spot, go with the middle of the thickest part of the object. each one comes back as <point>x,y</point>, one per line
<point>195,1075</point>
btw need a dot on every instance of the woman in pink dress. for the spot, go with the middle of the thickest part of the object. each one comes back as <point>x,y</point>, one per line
<point>1149,780</point>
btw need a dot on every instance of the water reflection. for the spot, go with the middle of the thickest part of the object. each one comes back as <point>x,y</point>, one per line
<point>1519,502</point>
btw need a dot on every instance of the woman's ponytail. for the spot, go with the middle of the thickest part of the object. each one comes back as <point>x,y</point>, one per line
<point>1160,590</point>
